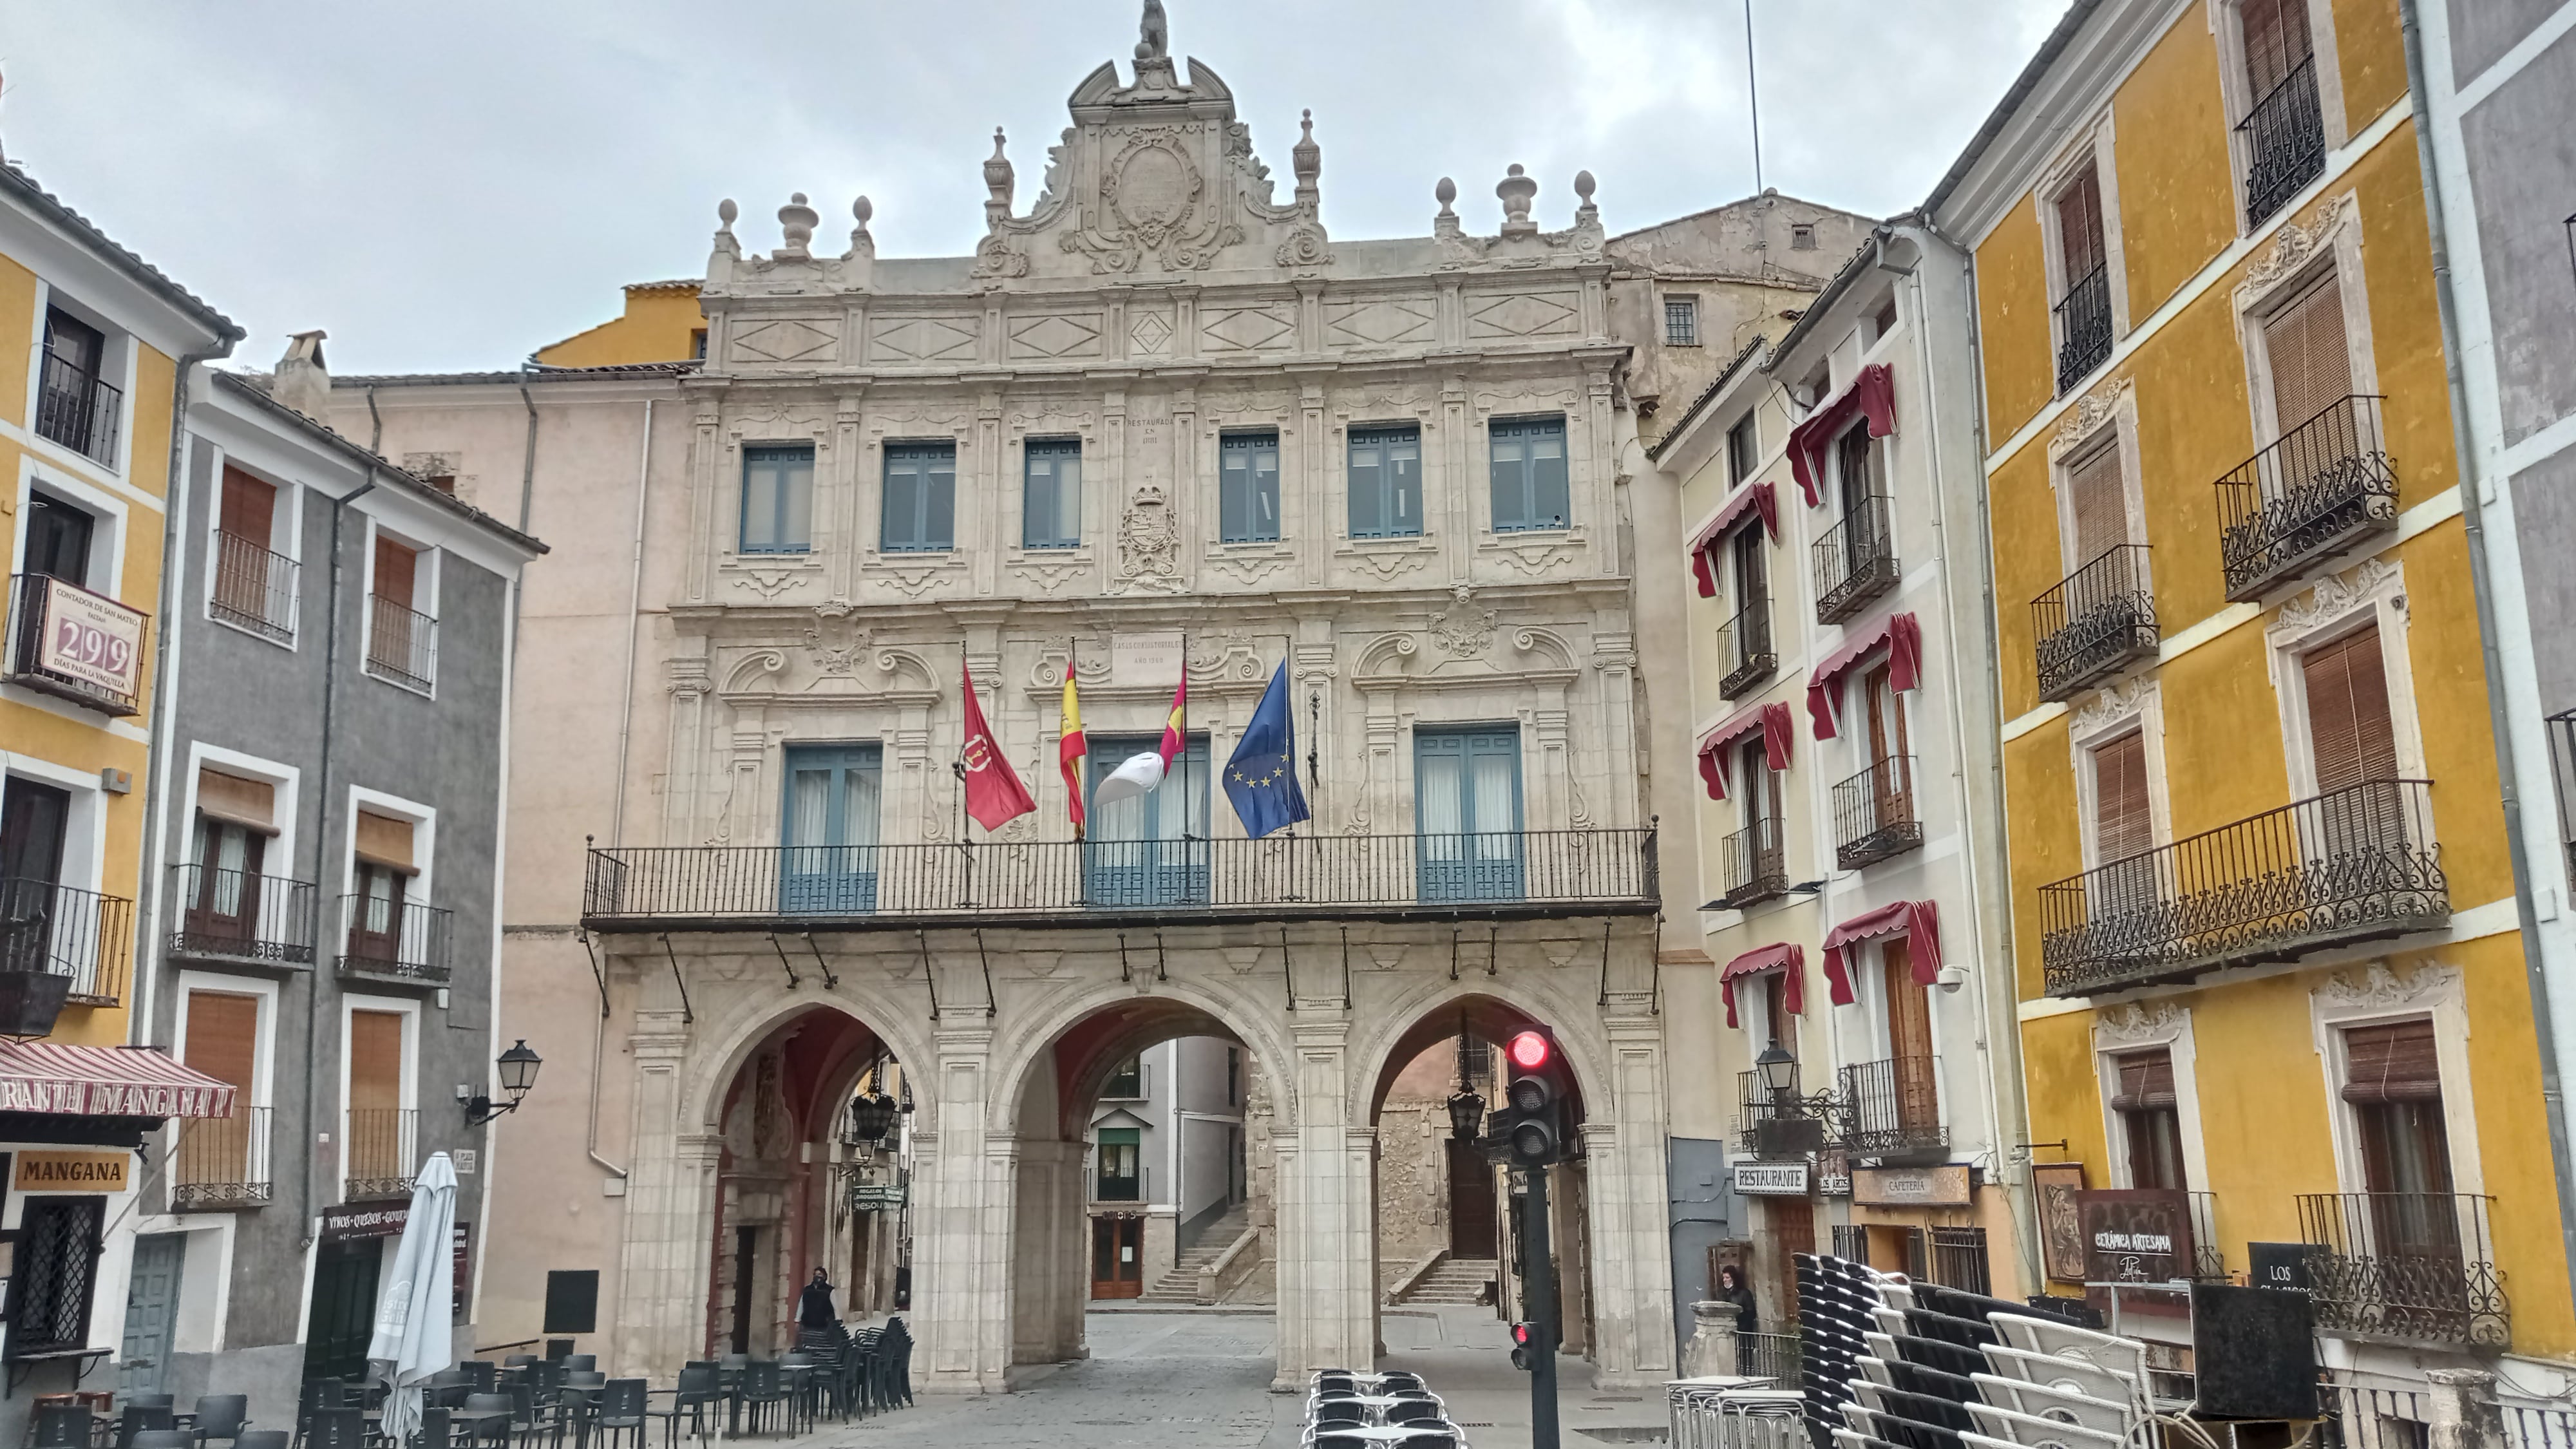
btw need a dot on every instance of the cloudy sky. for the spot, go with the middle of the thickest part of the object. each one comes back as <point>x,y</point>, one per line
<point>451,185</point>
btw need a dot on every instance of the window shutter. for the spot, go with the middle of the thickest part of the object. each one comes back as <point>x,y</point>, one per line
<point>395,567</point>
<point>2276,40</point>
<point>2349,731</point>
<point>249,508</point>
<point>2311,364</point>
<point>241,801</point>
<point>375,1060</point>
<point>223,1036</point>
<point>2123,822</point>
<point>2079,228</point>
<point>2101,505</point>
<point>2146,1081</point>
<point>2391,1063</point>
<point>383,840</point>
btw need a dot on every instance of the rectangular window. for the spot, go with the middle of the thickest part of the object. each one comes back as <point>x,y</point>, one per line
<point>1743,450</point>
<point>2276,42</point>
<point>1681,321</point>
<point>224,903</point>
<point>2310,359</point>
<point>920,498</point>
<point>223,1159</point>
<point>1959,1259</point>
<point>76,405</point>
<point>1386,482</point>
<point>778,499</point>
<point>1126,1080</point>
<point>402,638</point>
<point>2393,1084</point>
<point>1883,321</point>
<point>2099,502</point>
<point>1121,1174</point>
<point>1052,499</point>
<point>1530,488</point>
<point>58,539</point>
<point>2123,821</point>
<point>2150,1119</point>
<point>55,1264</point>
<point>2081,247</point>
<point>2349,731</point>
<point>1467,806</point>
<point>1248,488</point>
<point>251,582</point>
<point>1149,849</point>
<point>34,820</point>
<point>834,798</point>
<point>380,1133</point>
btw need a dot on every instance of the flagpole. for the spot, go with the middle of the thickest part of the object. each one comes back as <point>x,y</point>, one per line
<point>965,827</point>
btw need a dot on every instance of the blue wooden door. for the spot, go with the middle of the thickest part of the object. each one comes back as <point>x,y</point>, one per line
<point>829,831</point>
<point>1149,850</point>
<point>1467,810</point>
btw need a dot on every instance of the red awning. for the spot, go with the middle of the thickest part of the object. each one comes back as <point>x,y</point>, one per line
<point>1791,960</point>
<point>1759,496</point>
<point>1777,731</point>
<point>93,1081</point>
<point>1900,634</point>
<point>1872,395</point>
<point>1919,921</point>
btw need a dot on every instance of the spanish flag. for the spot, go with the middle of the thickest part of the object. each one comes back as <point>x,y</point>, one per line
<point>1071,747</point>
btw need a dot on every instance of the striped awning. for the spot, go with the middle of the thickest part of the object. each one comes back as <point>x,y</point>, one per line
<point>94,1081</point>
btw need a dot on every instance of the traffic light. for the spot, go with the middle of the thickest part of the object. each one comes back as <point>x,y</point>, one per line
<point>1523,1336</point>
<point>1530,1128</point>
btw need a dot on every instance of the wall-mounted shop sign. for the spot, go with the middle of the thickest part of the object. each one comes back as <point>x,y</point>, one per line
<point>1951,1185</point>
<point>1771,1179</point>
<point>2139,1235</point>
<point>98,1171</point>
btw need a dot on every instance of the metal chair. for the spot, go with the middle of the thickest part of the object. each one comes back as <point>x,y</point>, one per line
<point>220,1416</point>
<point>621,1411</point>
<point>63,1426</point>
<point>764,1389</point>
<point>581,1363</point>
<point>698,1388</point>
<point>344,1427</point>
<point>144,1419</point>
<point>484,1419</point>
<point>485,1374</point>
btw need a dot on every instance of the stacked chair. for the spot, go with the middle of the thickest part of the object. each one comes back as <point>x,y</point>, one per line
<point>1349,1410</point>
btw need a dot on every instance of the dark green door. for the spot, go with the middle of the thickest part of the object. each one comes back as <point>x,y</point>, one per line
<point>344,1307</point>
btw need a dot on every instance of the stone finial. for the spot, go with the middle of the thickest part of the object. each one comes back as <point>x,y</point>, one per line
<point>1517,189</point>
<point>998,180</point>
<point>1584,185</point>
<point>726,211</point>
<point>1153,33</point>
<point>1306,156</point>
<point>1447,192</point>
<point>863,247</point>
<point>726,245</point>
<point>796,223</point>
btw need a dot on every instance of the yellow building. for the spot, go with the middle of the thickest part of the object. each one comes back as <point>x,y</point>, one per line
<point>2264,917</point>
<point>92,344</point>
<point>661,323</point>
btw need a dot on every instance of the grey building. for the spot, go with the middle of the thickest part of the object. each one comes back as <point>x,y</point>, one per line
<point>323,857</point>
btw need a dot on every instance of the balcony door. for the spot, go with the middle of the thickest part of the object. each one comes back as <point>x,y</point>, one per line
<point>1861,543</point>
<point>2393,1085</point>
<point>380,1127</point>
<point>1467,804</point>
<point>1752,595</point>
<point>215,1153</point>
<point>245,526</point>
<point>834,800</point>
<point>1891,771</point>
<point>223,911</point>
<point>1912,1081</point>
<point>1149,849</point>
<point>2150,1114</point>
<point>33,820</point>
<point>2311,365</point>
<point>2357,825</point>
<point>58,540</point>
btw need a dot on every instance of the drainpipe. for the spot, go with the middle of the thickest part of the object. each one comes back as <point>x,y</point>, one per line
<point>528,466</point>
<point>2499,723</point>
<point>375,423</point>
<point>321,824</point>
<point>625,733</point>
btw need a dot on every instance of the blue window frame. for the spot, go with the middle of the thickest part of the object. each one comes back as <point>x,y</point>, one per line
<point>920,498</point>
<point>1529,474</point>
<point>1247,488</point>
<point>828,826</point>
<point>1051,494</point>
<point>1148,850</point>
<point>778,499</point>
<point>1386,482</point>
<point>1467,810</point>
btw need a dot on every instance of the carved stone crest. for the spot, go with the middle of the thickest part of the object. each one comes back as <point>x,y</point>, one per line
<point>835,640</point>
<point>1462,629</point>
<point>1152,205</point>
<point>1149,546</point>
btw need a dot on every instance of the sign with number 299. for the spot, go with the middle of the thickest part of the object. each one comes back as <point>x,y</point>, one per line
<point>89,638</point>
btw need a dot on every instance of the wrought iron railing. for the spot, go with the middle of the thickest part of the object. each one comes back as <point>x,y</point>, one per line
<point>1517,873</point>
<point>1855,561</point>
<point>402,644</point>
<point>221,1162</point>
<point>2285,142</point>
<point>2322,485</point>
<point>65,931</point>
<point>2097,619</point>
<point>2418,1266</point>
<point>255,588</point>
<point>2083,327</point>
<point>242,916</point>
<point>1773,1356</point>
<point>2353,865</point>
<point>79,409</point>
<point>2208,1258</point>
<point>383,1143</point>
<point>394,941</point>
<point>1744,647</point>
<point>1751,866</point>
<point>1892,1106</point>
<point>2562,772</point>
<point>1784,1123</point>
<point>1874,814</point>
<point>74,644</point>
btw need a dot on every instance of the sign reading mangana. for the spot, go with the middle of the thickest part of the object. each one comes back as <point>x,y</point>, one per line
<point>72,1171</point>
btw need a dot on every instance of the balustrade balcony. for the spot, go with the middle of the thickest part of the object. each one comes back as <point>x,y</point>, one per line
<point>1892,1108</point>
<point>78,409</point>
<point>254,588</point>
<point>2321,488</point>
<point>1855,561</point>
<point>81,936</point>
<point>221,1162</point>
<point>2418,1267</point>
<point>2084,327</point>
<point>398,942</point>
<point>1751,866</point>
<point>75,645</point>
<point>1744,645</point>
<point>1874,814</point>
<point>2099,618</point>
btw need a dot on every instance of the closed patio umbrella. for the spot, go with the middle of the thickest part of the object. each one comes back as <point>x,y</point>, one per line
<point>411,1340</point>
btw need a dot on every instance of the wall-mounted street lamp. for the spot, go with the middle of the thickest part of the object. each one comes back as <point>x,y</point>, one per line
<point>1779,1071</point>
<point>518,1073</point>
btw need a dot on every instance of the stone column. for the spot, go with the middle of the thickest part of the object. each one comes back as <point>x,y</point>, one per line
<point>2464,1410</point>
<point>1327,1301</point>
<point>962,1223</point>
<point>670,1213</point>
<point>1631,1238</point>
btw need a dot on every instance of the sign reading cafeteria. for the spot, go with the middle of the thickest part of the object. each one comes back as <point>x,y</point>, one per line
<point>100,1171</point>
<point>1946,1186</point>
<point>89,638</point>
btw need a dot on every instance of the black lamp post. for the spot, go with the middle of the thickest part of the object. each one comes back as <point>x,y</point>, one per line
<point>518,1073</point>
<point>1779,1071</point>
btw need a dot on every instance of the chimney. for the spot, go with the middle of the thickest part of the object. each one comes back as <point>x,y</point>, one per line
<point>302,382</point>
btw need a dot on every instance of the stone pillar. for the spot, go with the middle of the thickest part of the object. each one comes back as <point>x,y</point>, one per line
<point>2464,1410</point>
<point>1631,1236</point>
<point>964,1183</point>
<point>1327,1301</point>
<point>1711,1351</point>
<point>670,1214</point>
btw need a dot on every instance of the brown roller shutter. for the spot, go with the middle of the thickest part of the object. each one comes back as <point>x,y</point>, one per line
<point>237,799</point>
<point>2391,1063</point>
<point>2311,364</point>
<point>2123,822</point>
<point>375,1060</point>
<point>249,507</point>
<point>2101,506</point>
<point>223,1037</point>
<point>2276,40</point>
<point>2146,1081</point>
<point>396,567</point>
<point>383,840</point>
<point>2079,228</point>
<point>2348,725</point>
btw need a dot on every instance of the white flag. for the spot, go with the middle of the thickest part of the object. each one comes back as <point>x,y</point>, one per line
<point>1141,773</point>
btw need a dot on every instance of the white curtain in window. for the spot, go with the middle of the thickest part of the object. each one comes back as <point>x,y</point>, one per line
<point>859,799</point>
<point>1493,815</point>
<point>1443,796</point>
<point>809,808</point>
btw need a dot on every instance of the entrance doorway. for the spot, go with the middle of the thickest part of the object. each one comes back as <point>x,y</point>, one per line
<point>746,1264</point>
<point>1471,1203</point>
<point>345,1273</point>
<point>151,1313</point>
<point>1117,1257</point>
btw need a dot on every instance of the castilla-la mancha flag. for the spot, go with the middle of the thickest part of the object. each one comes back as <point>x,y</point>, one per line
<point>994,794</point>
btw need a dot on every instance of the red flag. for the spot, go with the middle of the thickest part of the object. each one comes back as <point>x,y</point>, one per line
<point>994,794</point>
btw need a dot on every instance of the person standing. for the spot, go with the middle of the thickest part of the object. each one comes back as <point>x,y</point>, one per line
<point>816,1318</point>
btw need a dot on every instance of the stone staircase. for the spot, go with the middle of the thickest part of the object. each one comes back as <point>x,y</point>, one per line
<point>1456,1280</point>
<point>1181,1285</point>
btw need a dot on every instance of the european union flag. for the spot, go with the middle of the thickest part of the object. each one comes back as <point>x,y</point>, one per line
<point>1261,778</point>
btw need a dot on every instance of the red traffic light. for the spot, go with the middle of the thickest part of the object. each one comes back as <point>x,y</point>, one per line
<point>1520,1333</point>
<point>1529,1050</point>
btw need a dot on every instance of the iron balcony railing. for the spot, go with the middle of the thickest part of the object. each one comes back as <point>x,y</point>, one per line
<point>2096,620</point>
<point>2417,1266</point>
<point>1874,814</point>
<point>2285,142</point>
<point>2562,771</point>
<point>2208,1258</point>
<point>221,1162</point>
<point>1783,1124</point>
<point>254,588</point>
<point>79,409</point>
<point>2354,865</point>
<point>1494,875</point>
<point>64,931</point>
<point>2323,485</point>
<point>1773,1356</point>
<point>403,942</point>
<point>2083,327</point>
<point>1744,646</point>
<point>74,644</point>
<point>382,1143</point>
<point>237,915</point>
<point>402,644</point>
<point>1855,561</point>
<point>1751,866</point>
<point>1893,1107</point>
